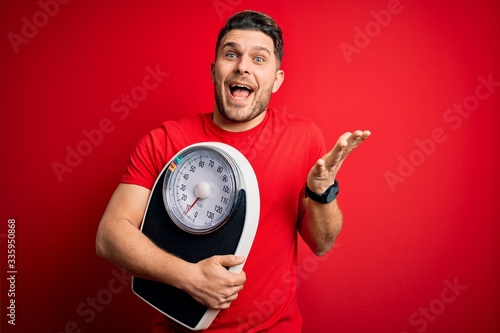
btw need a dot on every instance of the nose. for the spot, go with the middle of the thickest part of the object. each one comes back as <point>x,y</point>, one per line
<point>243,66</point>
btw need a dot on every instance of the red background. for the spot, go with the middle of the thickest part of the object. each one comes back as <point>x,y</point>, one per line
<point>404,240</point>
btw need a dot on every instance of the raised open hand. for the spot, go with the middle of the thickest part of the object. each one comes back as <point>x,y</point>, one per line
<point>323,173</point>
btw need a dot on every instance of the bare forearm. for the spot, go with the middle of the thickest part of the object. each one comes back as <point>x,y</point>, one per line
<point>208,281</point>
<point>120,241</point>
<point>320,225</point>
<point>126,247</point>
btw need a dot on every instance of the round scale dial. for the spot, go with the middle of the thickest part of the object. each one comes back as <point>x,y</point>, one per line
<point>200,189</point>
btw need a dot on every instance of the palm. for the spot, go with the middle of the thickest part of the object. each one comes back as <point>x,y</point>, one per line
<point>323,173</point>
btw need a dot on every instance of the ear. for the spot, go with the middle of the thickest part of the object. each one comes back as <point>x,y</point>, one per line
<point>278,80</point>
<point>212,71</point>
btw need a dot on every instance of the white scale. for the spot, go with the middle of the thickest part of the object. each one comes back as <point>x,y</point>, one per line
<point>205,202</point>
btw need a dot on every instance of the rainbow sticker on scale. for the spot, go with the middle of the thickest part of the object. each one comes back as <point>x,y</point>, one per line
<point>174,164</point>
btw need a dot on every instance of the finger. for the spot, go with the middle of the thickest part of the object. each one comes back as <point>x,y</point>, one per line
<point>238,286</point>
<point>231,293</point>
<point>232,298</point>
<point>360,135</point>
<point>232,278</point>
<point>223,305</point>
<point>319,166</point>
<point>337,153</point>
<point>237,280</point>
<point>345,144</point>
<point>355,139</point>
<point>224,301</point>
<point>230,260</point>
<point>220,305</point>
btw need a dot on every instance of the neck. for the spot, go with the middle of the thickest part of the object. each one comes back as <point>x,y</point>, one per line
<point>232,126</point>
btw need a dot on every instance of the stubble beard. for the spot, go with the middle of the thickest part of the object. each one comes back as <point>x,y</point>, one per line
<point>241,114</point>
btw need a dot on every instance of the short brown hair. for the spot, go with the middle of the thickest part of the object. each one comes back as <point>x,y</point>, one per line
<point>252,20</point>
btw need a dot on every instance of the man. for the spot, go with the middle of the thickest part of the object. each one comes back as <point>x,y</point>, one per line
<point>287,153</point>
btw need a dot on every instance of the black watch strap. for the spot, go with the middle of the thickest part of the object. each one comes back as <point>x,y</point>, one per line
<point>327,197</point>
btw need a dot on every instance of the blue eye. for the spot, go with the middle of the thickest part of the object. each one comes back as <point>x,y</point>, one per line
<point>231,55</point>
<point>259,59</point>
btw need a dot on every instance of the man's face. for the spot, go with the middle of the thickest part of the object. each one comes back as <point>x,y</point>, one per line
<point>245,74</point>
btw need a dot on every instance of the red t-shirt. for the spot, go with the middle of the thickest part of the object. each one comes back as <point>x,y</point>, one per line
<point>281,150</point>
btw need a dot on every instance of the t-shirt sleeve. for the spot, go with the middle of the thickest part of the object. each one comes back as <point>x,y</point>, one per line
<point>147,160</point>
<point>316,150</point>
<point>317,146</point>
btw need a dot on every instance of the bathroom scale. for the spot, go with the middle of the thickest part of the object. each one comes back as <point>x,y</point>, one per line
<point>205,202</point>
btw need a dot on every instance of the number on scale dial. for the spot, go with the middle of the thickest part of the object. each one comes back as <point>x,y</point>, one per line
<point>200,189</point>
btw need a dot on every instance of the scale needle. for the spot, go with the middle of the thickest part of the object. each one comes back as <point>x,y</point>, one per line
<point>191,206</point>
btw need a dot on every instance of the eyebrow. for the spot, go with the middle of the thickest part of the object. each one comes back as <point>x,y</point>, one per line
<point>236,46</point>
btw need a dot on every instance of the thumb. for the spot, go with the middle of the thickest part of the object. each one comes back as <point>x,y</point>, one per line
<point>231,260</point>
<point>319,166</point>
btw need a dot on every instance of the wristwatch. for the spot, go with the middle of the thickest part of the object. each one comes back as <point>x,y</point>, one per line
<point>328,196</point>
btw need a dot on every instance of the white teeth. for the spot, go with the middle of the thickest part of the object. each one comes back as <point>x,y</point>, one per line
<point>241,86</point>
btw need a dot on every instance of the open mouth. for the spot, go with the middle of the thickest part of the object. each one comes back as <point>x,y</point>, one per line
<point>240,91</point>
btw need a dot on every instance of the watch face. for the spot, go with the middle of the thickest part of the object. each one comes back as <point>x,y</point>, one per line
<point>332,192</point>
<point>331,195</point>
<point>200,190</point>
